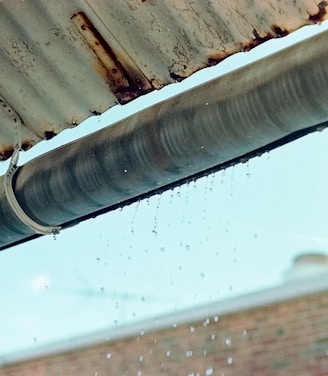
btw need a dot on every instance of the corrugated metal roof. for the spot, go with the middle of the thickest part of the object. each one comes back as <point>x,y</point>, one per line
<point>62,61</point>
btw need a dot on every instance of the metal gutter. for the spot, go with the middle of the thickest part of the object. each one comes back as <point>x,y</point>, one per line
<point>228,119</point>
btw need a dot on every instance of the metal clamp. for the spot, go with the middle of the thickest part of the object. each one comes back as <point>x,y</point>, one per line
<point>9,192</point>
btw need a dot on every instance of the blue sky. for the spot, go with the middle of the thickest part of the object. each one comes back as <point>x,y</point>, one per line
<point>227,234</point>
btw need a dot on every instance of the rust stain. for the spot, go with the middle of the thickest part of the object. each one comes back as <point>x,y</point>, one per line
<point>176,77</point>
<point>275,32</point>
<point>322,12</point>
<point>48,135</point>
<point>26,144</point>
<point>6,152</point>
<point>216,58</point>
<point>123,82</point>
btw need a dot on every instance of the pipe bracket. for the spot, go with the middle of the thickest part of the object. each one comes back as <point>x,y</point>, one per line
<point>21,215</point>
<point>8,187</point>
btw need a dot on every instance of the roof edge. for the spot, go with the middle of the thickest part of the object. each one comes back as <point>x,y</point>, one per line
<point>212,311</point>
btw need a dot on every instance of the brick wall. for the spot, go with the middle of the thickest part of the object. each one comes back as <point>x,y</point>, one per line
<point>280,339</point>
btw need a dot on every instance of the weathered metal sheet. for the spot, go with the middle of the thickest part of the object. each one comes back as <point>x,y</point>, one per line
<point>62,61</point>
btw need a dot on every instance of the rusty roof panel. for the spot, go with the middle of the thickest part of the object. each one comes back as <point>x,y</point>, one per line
<point>62,61</point>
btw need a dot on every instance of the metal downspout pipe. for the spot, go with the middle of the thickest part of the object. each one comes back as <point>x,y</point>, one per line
<point>206,127</point>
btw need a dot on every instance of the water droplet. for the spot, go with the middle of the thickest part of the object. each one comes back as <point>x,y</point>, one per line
<point>156,215</point>
<point>134,216</point>
<point>206,322</point>
<point>209,371</point>
<point>321,128</point>
<point>248,173</point>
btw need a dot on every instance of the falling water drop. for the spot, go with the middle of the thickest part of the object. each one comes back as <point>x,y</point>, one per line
<point>134,216</point>
<point>209,371</point>
<point>223,172</point>
<point>228,342</point>
<point>248,173</point>
<point>154,230</point>
<point>229,360</point>
<point>232,169</point>
<point>211,185</point>
<point>171,196</point>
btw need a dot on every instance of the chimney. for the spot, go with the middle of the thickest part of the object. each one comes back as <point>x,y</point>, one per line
<point>307,265</point>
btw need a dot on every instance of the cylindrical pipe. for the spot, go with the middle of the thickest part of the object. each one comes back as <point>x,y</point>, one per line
<point>197,130</point>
